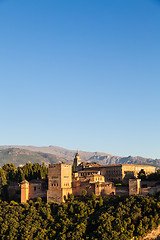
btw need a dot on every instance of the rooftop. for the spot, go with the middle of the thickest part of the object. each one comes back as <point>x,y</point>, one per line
<point>121,165</point>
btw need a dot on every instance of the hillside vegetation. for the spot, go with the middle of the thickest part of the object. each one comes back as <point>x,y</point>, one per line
<point>81,218</point>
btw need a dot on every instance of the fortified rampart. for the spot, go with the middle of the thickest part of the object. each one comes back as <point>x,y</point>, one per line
<point>33,189</point>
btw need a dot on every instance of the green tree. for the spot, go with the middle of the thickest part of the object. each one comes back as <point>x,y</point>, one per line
<point>142,174</point>
<point>84,192</point>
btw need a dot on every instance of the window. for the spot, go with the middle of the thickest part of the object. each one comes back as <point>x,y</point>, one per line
<point>34,188</point>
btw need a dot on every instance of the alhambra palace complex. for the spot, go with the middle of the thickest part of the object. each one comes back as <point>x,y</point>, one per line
<point>92,177</point>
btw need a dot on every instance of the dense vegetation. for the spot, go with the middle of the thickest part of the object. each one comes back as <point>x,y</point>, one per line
<point>83,218</point>
<point>30,171</point>
<point>9,173</point>
<point>152,177</point>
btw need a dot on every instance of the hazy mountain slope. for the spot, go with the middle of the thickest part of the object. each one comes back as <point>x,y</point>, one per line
<point>126,160</point>
<point>68,155</point>
<point>22,156</point>
<point>103,158</point>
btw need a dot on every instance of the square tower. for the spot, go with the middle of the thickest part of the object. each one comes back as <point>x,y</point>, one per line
<point>59,182</point>
<point>24,191</point>
<point>134,186</point>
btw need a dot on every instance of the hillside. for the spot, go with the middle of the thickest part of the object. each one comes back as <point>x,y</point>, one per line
<point>82,218</point>
<point>22,156</point>
<point>55,154</point>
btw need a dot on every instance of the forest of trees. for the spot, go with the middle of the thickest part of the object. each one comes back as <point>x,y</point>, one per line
<point>29,171</point>
<point>80,218</point>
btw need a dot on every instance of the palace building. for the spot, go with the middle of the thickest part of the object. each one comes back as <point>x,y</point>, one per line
<point>122,172</point>
<point>91,177</point>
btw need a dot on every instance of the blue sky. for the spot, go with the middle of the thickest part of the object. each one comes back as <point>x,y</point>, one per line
<point>81,74</point>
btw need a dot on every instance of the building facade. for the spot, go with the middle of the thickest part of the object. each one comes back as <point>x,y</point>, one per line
<point>59,182</point>
<point>122,172</point>
<point>91,181</point>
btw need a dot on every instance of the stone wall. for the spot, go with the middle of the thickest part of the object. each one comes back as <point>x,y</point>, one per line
<point>37,188</point>
<point>150,190</point>
<point>78,186</point>
<point>14,191</point>
<point>122,191</point>
<point>104,189</point>
<point>33,189</point>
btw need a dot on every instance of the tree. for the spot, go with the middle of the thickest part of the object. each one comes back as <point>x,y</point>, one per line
<point>20,175</point>
<point>100,201</point>
<point>71,197</point>
<point>93,196</point>
<point>142,174</point>
<point>84,192</point>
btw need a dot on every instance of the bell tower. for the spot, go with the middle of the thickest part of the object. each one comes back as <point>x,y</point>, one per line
<point>77,160</point>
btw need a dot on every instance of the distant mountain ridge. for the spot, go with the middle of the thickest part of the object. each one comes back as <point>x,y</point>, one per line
<point>19,156</point>
<point>54,154</point>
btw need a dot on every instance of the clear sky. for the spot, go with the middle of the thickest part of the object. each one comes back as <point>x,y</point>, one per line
<point>81,74</point>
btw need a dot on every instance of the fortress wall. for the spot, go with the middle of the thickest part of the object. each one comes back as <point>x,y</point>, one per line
<point>36,190</point>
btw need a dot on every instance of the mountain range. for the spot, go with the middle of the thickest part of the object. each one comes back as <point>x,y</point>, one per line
<point>20,155</point>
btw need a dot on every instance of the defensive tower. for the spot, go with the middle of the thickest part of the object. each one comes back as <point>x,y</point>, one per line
<point>59,182</point>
